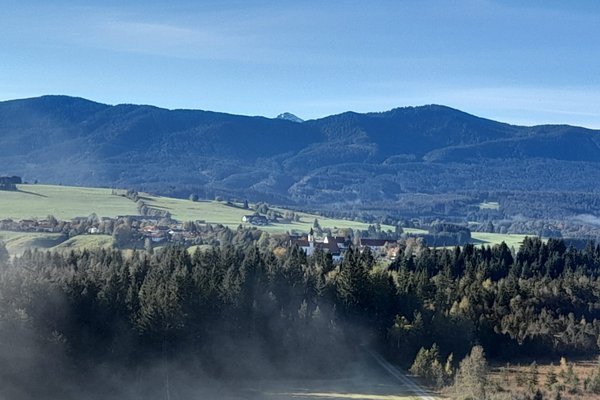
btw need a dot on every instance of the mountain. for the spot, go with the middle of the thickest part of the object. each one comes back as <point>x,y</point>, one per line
<point>450,159</point>
<point>289,117</point>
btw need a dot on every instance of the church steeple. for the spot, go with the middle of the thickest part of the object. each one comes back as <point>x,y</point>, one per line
<point>311,237</point>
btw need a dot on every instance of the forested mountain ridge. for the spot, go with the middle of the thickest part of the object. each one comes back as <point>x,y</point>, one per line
<point>328,163</point>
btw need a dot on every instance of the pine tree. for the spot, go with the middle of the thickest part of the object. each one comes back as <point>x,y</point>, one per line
<point>571,379</point>
<point>148,246</point>
<point>551,379</point>
<point>594,385</point>
<point>533,377</point>
<point>420,366</point>
<point>449,367</point>
<point>4,256</point>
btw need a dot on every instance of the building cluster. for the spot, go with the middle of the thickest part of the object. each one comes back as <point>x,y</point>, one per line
<point>9,182</point>
<point>255,219</point>
<point>337,245</point>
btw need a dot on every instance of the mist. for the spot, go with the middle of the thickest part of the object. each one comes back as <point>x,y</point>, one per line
<point>222,324</point>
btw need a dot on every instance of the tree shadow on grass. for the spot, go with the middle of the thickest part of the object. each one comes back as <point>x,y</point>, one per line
<point>31,193</point>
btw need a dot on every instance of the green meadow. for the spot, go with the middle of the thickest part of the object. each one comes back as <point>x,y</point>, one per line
<point>486,238</point>
<point>66,202</point>
<point>63,202</point>
<point>489,205</point>
<point>215,212</point>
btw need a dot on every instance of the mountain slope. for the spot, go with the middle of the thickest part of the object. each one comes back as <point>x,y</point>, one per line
<point>350,158</point>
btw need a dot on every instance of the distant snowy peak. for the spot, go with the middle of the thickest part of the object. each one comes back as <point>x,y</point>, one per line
<point>290,117</point>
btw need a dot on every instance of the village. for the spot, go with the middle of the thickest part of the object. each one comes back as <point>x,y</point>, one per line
<point>137,231</point>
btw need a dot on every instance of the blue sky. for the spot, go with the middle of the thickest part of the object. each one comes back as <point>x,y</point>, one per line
<point>515,61</point>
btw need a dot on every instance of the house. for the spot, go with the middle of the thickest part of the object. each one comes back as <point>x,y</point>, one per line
<point>342,242</point>
<point>9,182</point>
<point>376,245</point>
<point>158,237</point>
<point>255,219</point>
<point>176,234</point>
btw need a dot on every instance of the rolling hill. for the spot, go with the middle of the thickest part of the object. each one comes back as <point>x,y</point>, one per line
<point>67,202</point>
<point>343,163</point>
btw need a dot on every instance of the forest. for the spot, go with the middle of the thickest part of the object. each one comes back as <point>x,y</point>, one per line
<point>242,310</point>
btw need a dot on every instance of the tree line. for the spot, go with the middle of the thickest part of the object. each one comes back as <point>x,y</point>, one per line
<point>227,307</point>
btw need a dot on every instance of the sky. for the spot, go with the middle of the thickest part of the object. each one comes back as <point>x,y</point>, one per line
<point>522,62</point>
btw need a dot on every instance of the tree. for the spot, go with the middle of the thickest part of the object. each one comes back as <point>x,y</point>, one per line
<point>246,205</point>
<point>122,235</point>
<point>427,365</point>
<point>4,256</point>
<point>316,224</point>
<point>420,366</point>
<point>551,379</point>
<point>472,375</point>
<point>533,377</point>
<point>594,384</point>
<point>148,246</point>
<point>193,197</point>
<point>449,367</point>
<point>571,379</point>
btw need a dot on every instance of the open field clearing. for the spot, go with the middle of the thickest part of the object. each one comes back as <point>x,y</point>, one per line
<point>364,379</point>
<point>215,212</point>
<point>66,202</point>
<point>486,238</point>
<point>18,242</point>
<point>85,242</point>
<point>516,378</point>
<point>491,205</point>
<point>63,202</point>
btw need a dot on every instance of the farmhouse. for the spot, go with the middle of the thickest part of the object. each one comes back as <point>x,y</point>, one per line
<point>375,244</point>
<point>255,219</point>
<point>9,182</point>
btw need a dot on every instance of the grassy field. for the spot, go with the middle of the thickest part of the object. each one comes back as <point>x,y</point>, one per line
<point>220,213</point>
<point>491,205</point>
<point>18,242</point>
<point>63,202</point>
<point>514,378</point>
<point>85,242</point>
<point>66,202</point>
<point>361,380</point>
<point>486,238</point>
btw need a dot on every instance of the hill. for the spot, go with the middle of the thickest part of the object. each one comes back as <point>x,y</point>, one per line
<point>348,164</point>
<point>66,202</point>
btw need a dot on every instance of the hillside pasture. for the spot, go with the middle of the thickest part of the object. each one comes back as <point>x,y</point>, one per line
<point>63,202</point>
<point>66,202</point>
<point>85,242</point>
<point>489,205</point>
<point>491,239</point>
<point>18,242</point>
<point>215,212</point>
